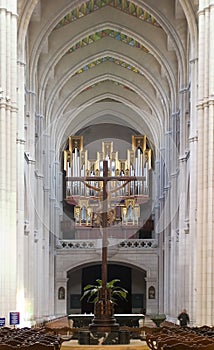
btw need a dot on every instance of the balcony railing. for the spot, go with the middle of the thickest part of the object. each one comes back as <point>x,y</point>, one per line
<point>78,244</point>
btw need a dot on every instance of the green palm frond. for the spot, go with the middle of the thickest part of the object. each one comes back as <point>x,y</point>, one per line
<point>112,283</point>
<point>117,292</point>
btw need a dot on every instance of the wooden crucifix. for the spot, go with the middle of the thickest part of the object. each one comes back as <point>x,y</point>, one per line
<point>104,209</point>
<point>104,320</point>
<point>104,309</point>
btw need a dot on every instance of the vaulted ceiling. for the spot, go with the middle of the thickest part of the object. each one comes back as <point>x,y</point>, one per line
<point>103,65</point>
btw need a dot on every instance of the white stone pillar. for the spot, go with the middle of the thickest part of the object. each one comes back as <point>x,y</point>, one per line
<point>169,222</point>
<point>8,161</point>
<point>51,153</point>
<point>159,234</point>
<point>30,207</point>
<point>193,165</point>
<point>22,226</point>
<point>183,158</point>
<point>49,239</point>
<point>57,204</point>
<point>183,275</point>
<point>40,282</point>
<point>163,236</point>
<point>60,203</point>
<point>205,229</point>
<point>182,257</point>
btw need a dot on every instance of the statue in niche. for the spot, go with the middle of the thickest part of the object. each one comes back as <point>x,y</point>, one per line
<point>124,215</point>
<point>139,147</point>
<point>89,217</point>
<point>76,148</point>
<point>96,219</point>
<point>127,172</point>
<point>83,214</point>
<point>77,215</point>
<point>151,292</point>
<point>130,213</point>
<point>61,293</point>
<point>110,217</point>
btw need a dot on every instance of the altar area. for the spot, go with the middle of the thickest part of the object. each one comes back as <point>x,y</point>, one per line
<point>130,320</point>
<point>72,344</point>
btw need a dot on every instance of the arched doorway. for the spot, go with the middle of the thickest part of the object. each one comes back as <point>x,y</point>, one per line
<point>123,273</point>
<point>132,279</point>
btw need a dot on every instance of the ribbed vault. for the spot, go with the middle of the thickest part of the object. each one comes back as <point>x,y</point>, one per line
<point>94,61</point>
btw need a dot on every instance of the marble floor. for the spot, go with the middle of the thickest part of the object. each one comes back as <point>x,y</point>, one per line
<point>134,345</point>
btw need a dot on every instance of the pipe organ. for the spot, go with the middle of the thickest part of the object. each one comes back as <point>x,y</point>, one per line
<point>127,189</point>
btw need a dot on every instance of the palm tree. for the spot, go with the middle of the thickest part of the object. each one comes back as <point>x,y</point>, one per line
<point>116,292</point>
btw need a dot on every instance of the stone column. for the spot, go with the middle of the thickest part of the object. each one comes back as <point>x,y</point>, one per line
<point>172,147</point>
<point>205,229</point>
<point>193,144</point>
<point>169,221</point>
<point>183,159</point>
<point>183,275</point>
<point>40,281</point>
<point>20,142</point>
<point>51,153</point>
<point>57,196</point>
<point>48,235</point>
<point>32,237</point>
<point>159,234</point>
<point>162,229</point>
<point>8,162</point>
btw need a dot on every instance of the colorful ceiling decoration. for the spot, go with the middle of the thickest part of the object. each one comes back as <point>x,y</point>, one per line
<point>108,59</point>
<point>104,33</point>
<point>112,81</point>
<point>93,5</point>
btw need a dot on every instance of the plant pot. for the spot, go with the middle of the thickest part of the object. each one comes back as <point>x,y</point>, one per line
<point>158,319</point>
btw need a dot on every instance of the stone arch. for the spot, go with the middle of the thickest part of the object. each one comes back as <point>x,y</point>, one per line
<point>99,76</point>
<point>122,261</point>
<point>79,120</point>
<point>187,7</point>
<point>136,273</point>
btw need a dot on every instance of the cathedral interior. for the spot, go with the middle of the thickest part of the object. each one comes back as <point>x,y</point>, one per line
<point>107,141</point>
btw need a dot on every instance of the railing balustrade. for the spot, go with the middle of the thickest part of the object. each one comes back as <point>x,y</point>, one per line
<point>76,244</point>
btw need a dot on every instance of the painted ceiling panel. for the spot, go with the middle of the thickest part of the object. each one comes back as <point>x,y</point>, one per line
<point>93,5</point>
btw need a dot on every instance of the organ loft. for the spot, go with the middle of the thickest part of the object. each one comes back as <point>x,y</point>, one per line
<point>125,198</point>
